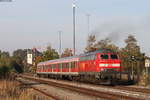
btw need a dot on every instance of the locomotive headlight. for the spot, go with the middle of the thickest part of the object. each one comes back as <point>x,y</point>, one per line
<point>103,65</point>
<point>115,65</point>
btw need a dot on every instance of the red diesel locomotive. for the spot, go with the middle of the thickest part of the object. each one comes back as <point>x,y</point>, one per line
<point>102,64</point>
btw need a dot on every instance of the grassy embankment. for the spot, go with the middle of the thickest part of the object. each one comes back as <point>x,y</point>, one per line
<point>12,90</point>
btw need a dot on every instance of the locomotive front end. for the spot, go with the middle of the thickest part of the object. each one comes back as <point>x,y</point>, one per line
<point>109,66</point>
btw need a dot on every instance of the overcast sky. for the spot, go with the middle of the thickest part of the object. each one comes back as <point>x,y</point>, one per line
<point>35,23</point>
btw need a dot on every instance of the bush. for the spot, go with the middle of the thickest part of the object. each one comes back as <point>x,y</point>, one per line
<point>18,68</point>
<point>4,70</point>
<point>147,79</point>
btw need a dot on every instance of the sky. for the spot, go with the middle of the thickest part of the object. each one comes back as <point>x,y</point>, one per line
<point>36,23</point>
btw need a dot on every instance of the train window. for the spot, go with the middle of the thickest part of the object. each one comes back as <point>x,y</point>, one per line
<point>67,65</point>
<point>72,64</point>
<point>64,65</point>
<point>59,66</point>
<point>49,66</point>
<point>53,66</point>
<point>104,56</point>
<point>43,67</point>
<point>113,56</point>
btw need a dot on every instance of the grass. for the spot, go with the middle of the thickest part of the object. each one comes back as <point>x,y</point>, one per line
<point>12,90</point>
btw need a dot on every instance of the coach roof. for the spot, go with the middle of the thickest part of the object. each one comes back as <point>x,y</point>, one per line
<point>57,60</point>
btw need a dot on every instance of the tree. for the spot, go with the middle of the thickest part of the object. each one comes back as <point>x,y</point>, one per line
<point>90,43</point>
<point>50,54</point>
<point>67,52</point>
<point>4,70</point>
<point>4,54</point>
<point>5,67</point>
<point>93,44</point>
<point>17,64</point>
<point>22,53</point>
<point>131,55</point>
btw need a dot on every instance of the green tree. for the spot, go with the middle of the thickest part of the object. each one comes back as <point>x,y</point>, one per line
<point>93,44</point>
<point>67,52</point>
<point>106,43</point>
<point>131,55</point>
<point>17,64</point>
<point>22,53</point>
<point>90,43</point>
<point>5,67</point>
<point>50,54</point>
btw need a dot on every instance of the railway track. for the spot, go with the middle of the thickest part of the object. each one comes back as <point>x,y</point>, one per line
<point>47,94</point>
<point>88,91</point>
<point>121,87</point>
<point>135,89</point>
<point>39,90</point>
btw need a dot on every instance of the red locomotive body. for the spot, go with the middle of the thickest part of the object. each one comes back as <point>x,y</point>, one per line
<point>100,64</point>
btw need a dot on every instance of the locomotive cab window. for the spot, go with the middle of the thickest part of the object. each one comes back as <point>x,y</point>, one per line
<point>104,56</point>
<point>113,56</point>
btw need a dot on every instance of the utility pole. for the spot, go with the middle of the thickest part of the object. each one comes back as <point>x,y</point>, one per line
<point>74,8</point>
<point>60,43</point>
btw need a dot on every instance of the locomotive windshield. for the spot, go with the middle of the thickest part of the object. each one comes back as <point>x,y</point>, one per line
<point>114,56</point>
<point>104,56</point>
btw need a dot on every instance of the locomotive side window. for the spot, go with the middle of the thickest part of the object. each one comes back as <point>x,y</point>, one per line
<point>113,56</point>
<point>104,56</point>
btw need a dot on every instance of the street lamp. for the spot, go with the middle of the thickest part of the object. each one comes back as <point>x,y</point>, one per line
<point>60,43</point>
<point>74,7</point>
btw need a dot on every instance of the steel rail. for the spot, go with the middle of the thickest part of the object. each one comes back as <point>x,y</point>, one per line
<point>91,92</point>
<point>40,91</point>
<point>134,89</point>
